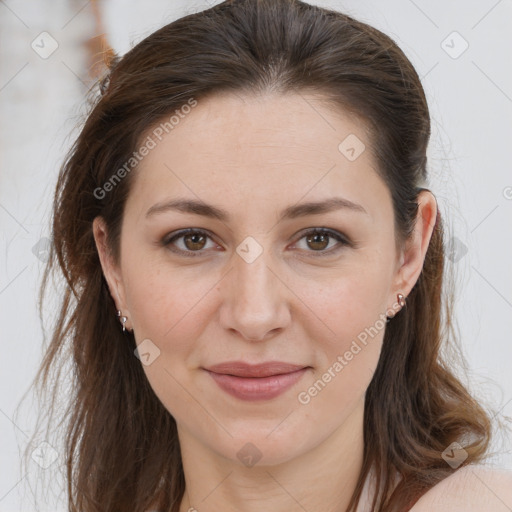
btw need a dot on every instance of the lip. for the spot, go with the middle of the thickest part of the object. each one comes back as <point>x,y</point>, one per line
<point>256,382</point>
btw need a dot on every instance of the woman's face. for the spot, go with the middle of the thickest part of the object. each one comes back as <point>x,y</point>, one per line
<point>256,286</point>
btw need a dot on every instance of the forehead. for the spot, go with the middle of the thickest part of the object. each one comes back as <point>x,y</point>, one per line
<point>270,149</point>
<point>275,124</point>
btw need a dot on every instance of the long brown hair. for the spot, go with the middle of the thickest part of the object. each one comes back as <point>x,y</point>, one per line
<point>121,444</point>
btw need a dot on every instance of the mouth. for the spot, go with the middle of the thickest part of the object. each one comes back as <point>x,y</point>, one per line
<point>256,382</point>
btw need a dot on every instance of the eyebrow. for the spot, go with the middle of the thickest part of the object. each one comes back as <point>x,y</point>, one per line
<point>291,212</point>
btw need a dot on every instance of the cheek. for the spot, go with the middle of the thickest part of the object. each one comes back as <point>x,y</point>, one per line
<point>165,303</point>
<point>351,307</point>
<point>168,308</point>
<point>348,303</point>
<point>349,350</point>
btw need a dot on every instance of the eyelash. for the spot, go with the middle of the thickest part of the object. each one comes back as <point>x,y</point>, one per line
<point>343,241</point>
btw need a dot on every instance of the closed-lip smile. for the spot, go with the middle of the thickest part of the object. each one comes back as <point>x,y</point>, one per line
<point>256,381</point>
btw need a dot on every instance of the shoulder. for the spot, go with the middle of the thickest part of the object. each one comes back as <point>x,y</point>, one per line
<point>472,488</point>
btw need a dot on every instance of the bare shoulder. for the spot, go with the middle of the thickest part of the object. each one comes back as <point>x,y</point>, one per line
<point>473,488</point>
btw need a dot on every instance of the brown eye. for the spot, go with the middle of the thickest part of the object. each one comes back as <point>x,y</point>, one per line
<point>318,240</point>
<point>193,242</point>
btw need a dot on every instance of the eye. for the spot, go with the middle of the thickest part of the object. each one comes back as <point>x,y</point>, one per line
<point>194,241</point>
<point>318,240</point>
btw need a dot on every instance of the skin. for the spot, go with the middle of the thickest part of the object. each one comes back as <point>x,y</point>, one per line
<point>470,488</point>
<point>253,157</point>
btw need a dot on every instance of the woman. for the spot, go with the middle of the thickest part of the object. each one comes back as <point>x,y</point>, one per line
<point>256,266</point>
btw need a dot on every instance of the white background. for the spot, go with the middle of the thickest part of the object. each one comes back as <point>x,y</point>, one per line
<point>470,98</point>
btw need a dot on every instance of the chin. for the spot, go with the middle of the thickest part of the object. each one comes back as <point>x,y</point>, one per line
<point>257,444</point>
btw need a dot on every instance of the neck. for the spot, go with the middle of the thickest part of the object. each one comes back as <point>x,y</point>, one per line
<point>319,480</point>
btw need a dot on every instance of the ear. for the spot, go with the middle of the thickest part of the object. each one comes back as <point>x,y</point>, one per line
<point>110,270</point>
<point>413,255</point>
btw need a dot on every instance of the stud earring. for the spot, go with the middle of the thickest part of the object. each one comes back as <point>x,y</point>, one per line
<point>401,302</point>
<point>123,319</point>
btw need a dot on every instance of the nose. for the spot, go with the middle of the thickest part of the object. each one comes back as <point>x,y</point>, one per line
<point>255,302</point>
